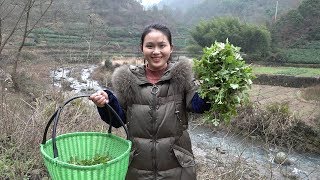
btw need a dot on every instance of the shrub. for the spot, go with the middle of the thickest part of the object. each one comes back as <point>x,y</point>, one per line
<point>312,93</point>
<point>26,85</point>
<point>108,63</point>
<point>274,124</point>
<point>251,38</point>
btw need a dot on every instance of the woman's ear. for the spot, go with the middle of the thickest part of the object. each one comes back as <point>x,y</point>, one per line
<point>171,48</point>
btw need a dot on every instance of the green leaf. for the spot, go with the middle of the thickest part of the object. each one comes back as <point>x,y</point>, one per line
<point>234,86</point>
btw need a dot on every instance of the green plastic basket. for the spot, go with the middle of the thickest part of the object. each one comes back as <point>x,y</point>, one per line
<point>58,151</point>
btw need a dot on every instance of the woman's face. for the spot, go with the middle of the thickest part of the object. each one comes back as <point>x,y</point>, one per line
<point>156,49</point>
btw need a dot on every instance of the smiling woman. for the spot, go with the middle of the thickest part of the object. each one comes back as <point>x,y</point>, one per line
<point>153,100</point>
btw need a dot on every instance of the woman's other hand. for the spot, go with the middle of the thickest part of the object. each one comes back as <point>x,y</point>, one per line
<point>100,98</point>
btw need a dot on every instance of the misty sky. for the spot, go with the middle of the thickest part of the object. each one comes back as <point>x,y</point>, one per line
<point>149,2</point>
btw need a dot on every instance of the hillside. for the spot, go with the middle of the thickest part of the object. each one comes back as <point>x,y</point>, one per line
<point>103,28</point>
<point>257,11</point>
<point>297,33</point>
<point>299,26</point>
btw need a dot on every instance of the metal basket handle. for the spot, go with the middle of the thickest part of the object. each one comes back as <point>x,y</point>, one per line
<point>56,115</point>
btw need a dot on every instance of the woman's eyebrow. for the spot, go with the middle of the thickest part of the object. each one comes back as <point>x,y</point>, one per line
<point>162,42</point>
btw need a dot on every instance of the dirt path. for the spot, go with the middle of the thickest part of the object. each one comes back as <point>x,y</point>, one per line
<point>265,94</point>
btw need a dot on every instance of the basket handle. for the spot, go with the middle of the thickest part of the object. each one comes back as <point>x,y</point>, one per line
<point>55,119</point>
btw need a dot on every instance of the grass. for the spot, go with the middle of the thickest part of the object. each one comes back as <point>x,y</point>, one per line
<point>288,71</point>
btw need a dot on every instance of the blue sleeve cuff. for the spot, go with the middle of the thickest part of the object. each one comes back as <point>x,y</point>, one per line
<point>114,103</point>
<point>199,105</point>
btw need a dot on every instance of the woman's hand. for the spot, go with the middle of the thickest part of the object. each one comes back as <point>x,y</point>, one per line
<point>100,98</point>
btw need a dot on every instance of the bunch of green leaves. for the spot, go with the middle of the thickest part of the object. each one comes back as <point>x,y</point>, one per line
<point>224,79</point>
<point>97,159</point>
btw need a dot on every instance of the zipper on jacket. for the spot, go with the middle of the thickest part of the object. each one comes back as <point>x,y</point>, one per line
<point>154,91</point>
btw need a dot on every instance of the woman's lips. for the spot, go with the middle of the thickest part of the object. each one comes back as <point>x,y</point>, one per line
<point>156,58</point>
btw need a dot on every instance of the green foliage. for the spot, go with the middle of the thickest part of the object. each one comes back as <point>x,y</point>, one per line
<point>97,159</point>
<point>193,47</point>
<point>121,32</point>
<point>301,24</point>
<point>251,38</point>
<point>302,56</point>
<point>310,8</point>
<point>314,34</point>
<point>224,78</point>
<point>292,72</point>
<point>43,31</point>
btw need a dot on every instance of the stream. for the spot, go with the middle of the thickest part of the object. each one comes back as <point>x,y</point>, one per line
<point>82,84</point>
<point>207,143</point>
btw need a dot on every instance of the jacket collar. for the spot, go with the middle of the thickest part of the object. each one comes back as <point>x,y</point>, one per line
<point>140,72</point>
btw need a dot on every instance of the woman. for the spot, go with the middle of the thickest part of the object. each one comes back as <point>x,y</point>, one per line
<point>153,100</point>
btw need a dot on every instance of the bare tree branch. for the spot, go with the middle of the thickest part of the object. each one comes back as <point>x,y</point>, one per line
<point>10,11</point>
<point>2,3</point>
<point>29,5</point>
<point>41,16</point>
<point>13,30</point>
<point>26,30</point>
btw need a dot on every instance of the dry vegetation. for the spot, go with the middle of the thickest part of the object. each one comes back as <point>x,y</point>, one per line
<point>312,94</point>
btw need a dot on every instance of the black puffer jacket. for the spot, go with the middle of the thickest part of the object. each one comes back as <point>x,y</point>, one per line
<point>157,121</point>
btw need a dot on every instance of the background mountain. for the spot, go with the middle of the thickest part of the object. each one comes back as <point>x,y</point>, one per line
<point>181,5</point>
<point>257,11</point>
<point>116,26</point>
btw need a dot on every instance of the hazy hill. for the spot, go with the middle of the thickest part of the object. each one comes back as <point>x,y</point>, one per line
<point>120,12</point>
<point>300,26</point>
<point>181,5</point>
<point>257,11</point>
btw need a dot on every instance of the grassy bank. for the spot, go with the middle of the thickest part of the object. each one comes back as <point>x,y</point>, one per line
<point>288,71</point>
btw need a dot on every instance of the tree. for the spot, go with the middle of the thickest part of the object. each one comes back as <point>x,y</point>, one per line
<point>17,20</point>
<point>298,25</point>
<point>251,38</point>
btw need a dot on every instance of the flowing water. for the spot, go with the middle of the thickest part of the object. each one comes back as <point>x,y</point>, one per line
<point>206,143</point>
<point>83,85</point>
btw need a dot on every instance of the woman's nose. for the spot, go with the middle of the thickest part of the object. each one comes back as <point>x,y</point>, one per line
<point>156,50</point>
